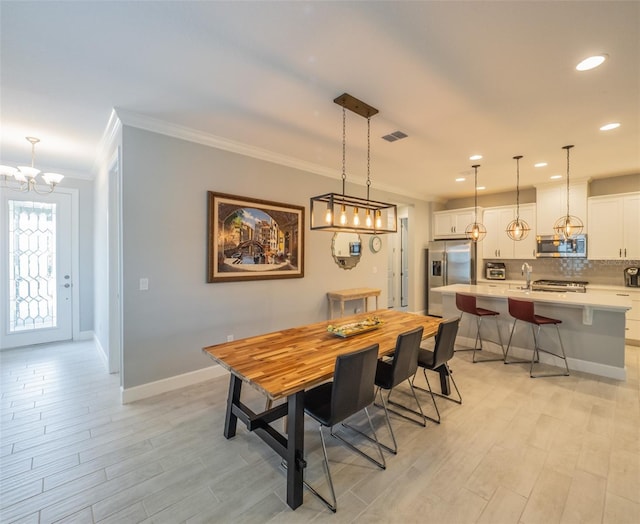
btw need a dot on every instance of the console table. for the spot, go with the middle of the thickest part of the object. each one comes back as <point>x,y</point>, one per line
<point>344,295</point>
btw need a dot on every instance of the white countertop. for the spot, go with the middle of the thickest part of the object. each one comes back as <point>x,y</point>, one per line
<point>594,299</point>
<point>590,287</point>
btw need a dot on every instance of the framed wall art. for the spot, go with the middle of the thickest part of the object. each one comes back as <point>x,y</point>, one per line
<point>251,239</point>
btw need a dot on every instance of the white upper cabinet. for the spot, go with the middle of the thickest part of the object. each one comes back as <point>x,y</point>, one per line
<point>551,204</point>
<point>452,223</point>
<point>615,227</point>
<point>497,243</point>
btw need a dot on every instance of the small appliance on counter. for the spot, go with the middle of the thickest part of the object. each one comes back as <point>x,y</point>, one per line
<point>632,276</point>
<point>495,271</point>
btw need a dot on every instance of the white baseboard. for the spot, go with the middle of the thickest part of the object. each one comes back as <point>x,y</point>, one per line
<point>85,335</point>
<point>584,366</point>
<point>101,350</point>
<point>152,389</point>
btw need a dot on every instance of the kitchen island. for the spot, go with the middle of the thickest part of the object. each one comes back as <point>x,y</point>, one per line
<point>592,329</point>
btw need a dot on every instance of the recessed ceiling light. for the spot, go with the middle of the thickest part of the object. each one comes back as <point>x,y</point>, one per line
<point>460,179</point>
<point>475,157</point>
<point>540,164</point>
<point>591,62</point>
<point>555,177</point>
<point>609,127</point>
<point>480,188</point>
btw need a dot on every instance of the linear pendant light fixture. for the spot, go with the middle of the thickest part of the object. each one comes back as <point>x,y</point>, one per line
<point>476,230</point>
<point>518,229</point>
<point>341,212</point>
<point>568,225</point>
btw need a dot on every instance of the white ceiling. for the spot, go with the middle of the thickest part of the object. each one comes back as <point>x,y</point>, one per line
<point>495,78</point>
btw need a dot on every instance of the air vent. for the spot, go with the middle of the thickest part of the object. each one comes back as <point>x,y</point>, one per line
<point>396,135</point>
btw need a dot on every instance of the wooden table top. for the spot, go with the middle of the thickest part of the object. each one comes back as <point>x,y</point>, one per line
<point>285,362</point>
<point>352,294</point>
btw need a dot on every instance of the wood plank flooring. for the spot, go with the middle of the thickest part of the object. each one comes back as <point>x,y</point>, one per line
<point>518,450</point>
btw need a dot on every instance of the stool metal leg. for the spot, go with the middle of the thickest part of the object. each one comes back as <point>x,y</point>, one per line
<point>537,350</point>
<point>479,337</point>
<point>464,349</point>
<point>506,355</point>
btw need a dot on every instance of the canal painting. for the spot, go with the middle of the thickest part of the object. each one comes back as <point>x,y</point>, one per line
<point>250,239</point>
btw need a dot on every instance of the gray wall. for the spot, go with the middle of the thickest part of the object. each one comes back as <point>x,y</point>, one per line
<point>165,183</point>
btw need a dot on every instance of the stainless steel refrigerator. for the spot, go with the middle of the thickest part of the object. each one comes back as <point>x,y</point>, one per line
<point>448,262</point>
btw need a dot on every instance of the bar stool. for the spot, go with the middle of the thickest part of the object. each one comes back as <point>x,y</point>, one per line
<point>467,304</point>
<point>524,310</point>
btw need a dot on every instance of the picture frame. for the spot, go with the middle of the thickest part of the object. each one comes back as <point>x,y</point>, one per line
<point>253,239</point>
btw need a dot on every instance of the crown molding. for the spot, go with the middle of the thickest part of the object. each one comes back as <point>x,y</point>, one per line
<point>162,127</point>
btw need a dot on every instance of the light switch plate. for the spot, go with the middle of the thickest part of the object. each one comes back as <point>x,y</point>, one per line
<point>144,284</point>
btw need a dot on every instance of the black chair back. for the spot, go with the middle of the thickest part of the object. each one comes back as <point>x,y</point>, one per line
<point>405,358</point>
<point>445,341</point>
<point>353,383</point>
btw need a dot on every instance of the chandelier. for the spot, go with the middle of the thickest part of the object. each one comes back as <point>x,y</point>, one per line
<point>476,230</point>
<point>342,212</point>
<point>568,225</point>
<point>518,229</point>
<point>23,178</point>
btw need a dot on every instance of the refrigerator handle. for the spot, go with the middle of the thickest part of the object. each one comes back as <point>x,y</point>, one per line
<point>445,271</point>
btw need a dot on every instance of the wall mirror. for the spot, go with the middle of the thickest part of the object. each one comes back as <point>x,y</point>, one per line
<point>346,249</point>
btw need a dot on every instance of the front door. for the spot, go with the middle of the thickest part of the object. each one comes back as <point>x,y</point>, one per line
<point>35,268</point>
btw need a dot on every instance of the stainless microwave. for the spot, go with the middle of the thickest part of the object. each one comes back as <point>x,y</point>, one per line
<point>554,246</point>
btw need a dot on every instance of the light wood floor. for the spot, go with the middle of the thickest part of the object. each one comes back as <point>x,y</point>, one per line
<point>518,450</point>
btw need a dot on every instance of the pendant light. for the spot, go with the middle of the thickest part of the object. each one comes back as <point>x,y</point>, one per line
<point>518,229</point>
<point>476,230</point>
<point>341,212</point>
<point>568,226</point>
<point>23,178</point>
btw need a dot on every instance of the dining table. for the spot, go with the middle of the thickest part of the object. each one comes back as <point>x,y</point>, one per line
<point>283,364</point>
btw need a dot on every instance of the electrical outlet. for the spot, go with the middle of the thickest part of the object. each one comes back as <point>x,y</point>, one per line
<point>229,338</point>
<point>144,284</point>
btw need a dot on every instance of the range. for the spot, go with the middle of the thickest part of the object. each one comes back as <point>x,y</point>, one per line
<point>575,286</point>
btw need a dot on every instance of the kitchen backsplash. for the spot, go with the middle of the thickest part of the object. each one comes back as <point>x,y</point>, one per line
<point>596,272</point>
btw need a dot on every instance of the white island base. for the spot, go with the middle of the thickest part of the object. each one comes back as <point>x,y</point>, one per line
<point>592,329</point>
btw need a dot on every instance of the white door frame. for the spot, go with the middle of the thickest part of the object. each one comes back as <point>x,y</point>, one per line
<point>114,235</point>
<point>75,258</point>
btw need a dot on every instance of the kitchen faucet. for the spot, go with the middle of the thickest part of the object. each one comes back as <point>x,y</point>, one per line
<point>526,271</point>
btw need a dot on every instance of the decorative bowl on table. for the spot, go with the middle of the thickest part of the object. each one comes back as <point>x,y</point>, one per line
<point>354,328</point>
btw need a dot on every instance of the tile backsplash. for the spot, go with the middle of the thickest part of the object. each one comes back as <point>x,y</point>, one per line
<point>596,272</point>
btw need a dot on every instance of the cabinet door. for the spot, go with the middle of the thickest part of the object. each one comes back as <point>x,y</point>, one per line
<point>631,221</point>
<point>526,249</point>
<point>452,224</point>
<point>497,243</point>
<point>605,240</point>
<point>442,224</point>
<point>463,218</point>
<point>551,204</point>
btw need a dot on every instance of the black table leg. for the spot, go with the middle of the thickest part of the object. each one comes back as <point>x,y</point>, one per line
<point>231,420</point>
<point>445,387</point>
<point>295,449</point>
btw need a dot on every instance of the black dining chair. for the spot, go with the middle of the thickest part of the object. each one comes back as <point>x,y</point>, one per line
<point>401,368</point>
<point>438,360</point>
<point>351,391</point>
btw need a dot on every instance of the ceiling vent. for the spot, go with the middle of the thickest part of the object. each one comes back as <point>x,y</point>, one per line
<point>396,135</point>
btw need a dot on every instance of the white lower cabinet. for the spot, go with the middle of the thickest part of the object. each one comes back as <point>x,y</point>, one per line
<point>633,315</point>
